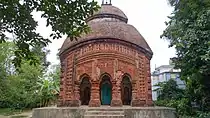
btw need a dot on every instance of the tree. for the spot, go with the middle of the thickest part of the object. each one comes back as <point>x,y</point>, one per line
<point>48,86</point>
<point>64,16</point>
<point>169,90</point>
<point>6,54</point>
<point>21,88</point>
<point>189,32</point>
<point>172,96</point>
<point>40,52</point>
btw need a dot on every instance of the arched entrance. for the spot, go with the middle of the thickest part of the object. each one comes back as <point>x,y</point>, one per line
<point>106,90</point>
<point>85,91</point>
<point>126,90</point>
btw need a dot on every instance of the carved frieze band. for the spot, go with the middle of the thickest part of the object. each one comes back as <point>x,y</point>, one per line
<point>108,47</point>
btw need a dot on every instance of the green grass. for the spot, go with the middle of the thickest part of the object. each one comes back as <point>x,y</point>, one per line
<point>9,111</point>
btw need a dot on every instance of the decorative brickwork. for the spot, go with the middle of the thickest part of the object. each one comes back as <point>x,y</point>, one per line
<point>117,58</point>
<point>114,59</point>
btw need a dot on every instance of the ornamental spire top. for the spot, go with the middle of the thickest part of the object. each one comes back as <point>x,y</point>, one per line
<point>106,2</point>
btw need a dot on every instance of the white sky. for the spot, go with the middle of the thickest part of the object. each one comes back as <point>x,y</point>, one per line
<point>148,16</point>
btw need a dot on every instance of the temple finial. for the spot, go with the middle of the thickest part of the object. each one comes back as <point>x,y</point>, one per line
<point>107,3</point>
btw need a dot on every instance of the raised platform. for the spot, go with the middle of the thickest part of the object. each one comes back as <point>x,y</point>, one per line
<point>104,112</point>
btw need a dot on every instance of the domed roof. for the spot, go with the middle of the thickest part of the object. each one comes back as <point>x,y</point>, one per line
<point>111,23</point>
<point>109,11</point>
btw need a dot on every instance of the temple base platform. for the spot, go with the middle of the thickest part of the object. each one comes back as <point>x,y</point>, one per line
<point>104,112</point>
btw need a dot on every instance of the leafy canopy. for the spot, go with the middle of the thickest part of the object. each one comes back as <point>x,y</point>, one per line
<point>64,16</point>
<point>189,32</point>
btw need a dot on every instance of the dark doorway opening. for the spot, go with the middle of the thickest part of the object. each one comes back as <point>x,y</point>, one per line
<point>106,90</point>
<point>85,91</point>
<point>126,91</point>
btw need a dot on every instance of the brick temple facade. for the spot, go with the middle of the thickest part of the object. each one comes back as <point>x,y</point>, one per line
<point>108,66</point>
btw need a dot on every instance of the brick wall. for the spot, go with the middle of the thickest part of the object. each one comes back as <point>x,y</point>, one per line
<point>96,59</point>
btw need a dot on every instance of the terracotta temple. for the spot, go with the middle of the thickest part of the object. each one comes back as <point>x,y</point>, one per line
<point>108,66</point>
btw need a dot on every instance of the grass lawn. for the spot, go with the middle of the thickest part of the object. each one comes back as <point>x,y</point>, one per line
<point>9,111</point>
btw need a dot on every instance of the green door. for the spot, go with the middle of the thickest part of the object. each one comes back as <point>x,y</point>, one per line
<point>106,93</point>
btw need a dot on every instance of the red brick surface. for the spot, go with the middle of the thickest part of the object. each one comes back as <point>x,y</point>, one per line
<point>113,59</point>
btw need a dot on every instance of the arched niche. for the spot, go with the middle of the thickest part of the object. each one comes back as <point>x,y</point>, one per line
<point>105,89</point>
<point>126,89</point>
<point>85,90</point>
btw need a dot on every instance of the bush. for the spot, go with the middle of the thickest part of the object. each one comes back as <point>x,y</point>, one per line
<point>183,108</point>
<point>182,105</point>
<point>203,115</point>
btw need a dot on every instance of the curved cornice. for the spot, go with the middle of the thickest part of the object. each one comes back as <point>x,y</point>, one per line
<point>108,40</point>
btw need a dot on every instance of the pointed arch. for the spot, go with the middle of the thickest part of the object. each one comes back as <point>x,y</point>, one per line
<point>105,89</point>
<point>128,76</point>
<point>85,89</point>
<point>105,75</point>
<point>83,76</point>
<point>126,89</point>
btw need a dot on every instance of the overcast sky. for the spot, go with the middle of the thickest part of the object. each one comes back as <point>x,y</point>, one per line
<point>148,16</point>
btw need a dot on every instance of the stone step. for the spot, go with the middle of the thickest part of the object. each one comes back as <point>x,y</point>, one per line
<point>103,116</point>
<point>104,109</point>
<point>104,112</point>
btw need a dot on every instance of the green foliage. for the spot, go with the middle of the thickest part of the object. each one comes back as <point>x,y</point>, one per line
<point>64,17</point>
<point>203,115</point>
<point>21,89</point>
<point>198,92</point>
<point>48,89</point>
<point>6,53</point>
<point>172,96</point>
<point>198,115</point>
<point>40,52</point>
<point>189,32</point>
<point>181,105</point>
<point>24,85</point>
<point>169,90</point>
